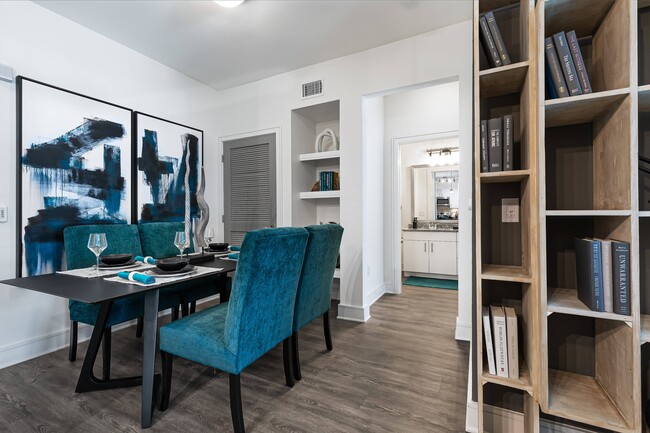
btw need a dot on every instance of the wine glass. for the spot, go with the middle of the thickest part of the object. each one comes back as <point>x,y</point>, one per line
<point>181,242</point>
<point>97,243</point>
<point>208,236</point>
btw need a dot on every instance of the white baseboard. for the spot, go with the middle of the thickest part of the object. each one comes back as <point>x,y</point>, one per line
<point>353,313</point>
<point>389,288</point>
<point>463,330</point>
<point>471,413</point>
<point>374,296</point>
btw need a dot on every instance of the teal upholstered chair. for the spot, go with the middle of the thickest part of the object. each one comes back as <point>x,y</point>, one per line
<point>121,238</point>
<point>314,290</point>
<point>258,317</point>
<point>157,241</point>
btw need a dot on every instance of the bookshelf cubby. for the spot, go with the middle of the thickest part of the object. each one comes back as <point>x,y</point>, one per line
<point>512,19</point>
<point>509,400</point>
<point>580,175</point>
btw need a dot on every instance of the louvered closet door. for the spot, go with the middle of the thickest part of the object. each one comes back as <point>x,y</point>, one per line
<point>249,196</point>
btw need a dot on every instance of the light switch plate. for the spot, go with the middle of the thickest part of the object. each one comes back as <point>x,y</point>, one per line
<point>510,210</point>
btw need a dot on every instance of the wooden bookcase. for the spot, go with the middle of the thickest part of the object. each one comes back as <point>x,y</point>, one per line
<point>580,174</point>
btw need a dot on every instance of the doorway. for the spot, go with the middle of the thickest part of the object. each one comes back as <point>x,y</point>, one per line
<point>250,200</point>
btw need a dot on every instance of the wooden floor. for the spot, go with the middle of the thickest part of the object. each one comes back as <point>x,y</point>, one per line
<point>401,372</point>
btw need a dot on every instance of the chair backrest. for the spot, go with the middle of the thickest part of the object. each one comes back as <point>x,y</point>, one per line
<point>121,239</point>
<point>314,290</point>
<point>157,239</point>
<point>260,310</point>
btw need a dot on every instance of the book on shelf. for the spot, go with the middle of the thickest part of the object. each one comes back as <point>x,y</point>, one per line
<point>485,167</point>
<point>498,40</point>
<point>579,62</point>
<point>555,69</point>
<point>500,340</point>
<point>566,61</point>
<point>621,277</point>
<point>495,154</point>
<point>513,343</point>
<point>487,42</point>
<point>489,345</point>
<point>329,181</point>
<point>589,273</point>
<point>507,142</point>
<point>608,298</point>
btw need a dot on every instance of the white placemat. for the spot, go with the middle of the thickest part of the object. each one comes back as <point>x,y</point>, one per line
<point>104,272</point>
<point>198,271</point>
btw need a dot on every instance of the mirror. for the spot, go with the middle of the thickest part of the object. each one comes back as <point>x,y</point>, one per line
<point>435,193</point>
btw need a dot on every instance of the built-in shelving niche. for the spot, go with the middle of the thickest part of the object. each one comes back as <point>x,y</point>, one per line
<point>499,400</point>
<point>512,18</point>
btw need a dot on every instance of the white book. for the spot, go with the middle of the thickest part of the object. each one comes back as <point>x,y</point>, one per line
<point>489,345</point>
<point>608,288</point>
<point>513,343</point>
<point>500,340</point>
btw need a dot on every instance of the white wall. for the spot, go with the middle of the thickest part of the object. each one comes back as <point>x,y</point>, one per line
<point>435,56</point>
<point>44,46</point>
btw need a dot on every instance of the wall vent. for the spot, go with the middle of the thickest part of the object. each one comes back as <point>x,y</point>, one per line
<point>311,89</point>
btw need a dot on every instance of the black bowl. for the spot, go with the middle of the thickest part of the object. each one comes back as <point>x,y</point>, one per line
<point>218,246</point>
<point>115,259</point>
<point>172,264</point>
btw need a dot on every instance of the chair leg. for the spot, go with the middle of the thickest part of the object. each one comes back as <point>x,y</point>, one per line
<point>235,404</point>
<point>167,363</point>
<point>192,307</point>
<point>106,354</point>
<point>139,327</point>
<point>296,356</point>
<point>174,313</point>
<point>184,310</point>
<point>326,329</point>
<point>74,336</point>
<point>288,360</point>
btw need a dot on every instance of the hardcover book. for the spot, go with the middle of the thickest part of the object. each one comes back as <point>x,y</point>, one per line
<point>500,340</point>
<point>621,277</point>
<point>589,273</point>
<point>498,40</point>
<point>489,345</point>
<point>608,297</point>
<point>484,147</point>
<point>488,43</point>
<point>507,142</point>
<point>553,63</point>
<point>513,343</point>
<point>495,155</point>
<point>566,61</point>
<point>579,62</point>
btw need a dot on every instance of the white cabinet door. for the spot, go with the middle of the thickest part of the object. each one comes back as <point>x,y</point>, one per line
<point>442,258</point>
<point>416,256</point>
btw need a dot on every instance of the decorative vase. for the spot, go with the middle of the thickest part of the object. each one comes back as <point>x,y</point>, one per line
<point>202,223</point>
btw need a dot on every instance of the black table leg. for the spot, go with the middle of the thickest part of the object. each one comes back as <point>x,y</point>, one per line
<point>87,380</point>
<point>149,355</point>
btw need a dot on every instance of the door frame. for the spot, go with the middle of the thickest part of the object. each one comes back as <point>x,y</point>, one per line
<point>279,177</point>
<point>396,213</point>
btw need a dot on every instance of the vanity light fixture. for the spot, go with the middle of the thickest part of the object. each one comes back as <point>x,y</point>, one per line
<point>229,3</point>
<point>445,151</point>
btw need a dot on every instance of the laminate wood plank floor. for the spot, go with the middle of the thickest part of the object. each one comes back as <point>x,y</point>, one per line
<point>401,372</point>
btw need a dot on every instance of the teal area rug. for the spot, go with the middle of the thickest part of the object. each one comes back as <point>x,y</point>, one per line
<point>432,283</point>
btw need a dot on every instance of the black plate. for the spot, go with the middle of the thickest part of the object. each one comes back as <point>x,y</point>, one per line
<point>159,271</point>
<point>172,263</point>
<point>118,265</point>
<point>115,259</point>
<point>218,246</point>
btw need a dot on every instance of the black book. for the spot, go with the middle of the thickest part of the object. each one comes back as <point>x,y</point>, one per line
<point>508,133</point>
<point>589,270</point>
<point>488,43</point>
<point>496,152</point>
<point>498,40</point>
<point>568,67</point>
<point>621,277</point>
<point>579,62</point>
<point>553,63</point>
<point>550,89</point>
<point>485,167</point>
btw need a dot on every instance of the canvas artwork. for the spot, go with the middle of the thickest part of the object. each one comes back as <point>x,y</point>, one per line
<point>165,152</point>
<point>75,165</point>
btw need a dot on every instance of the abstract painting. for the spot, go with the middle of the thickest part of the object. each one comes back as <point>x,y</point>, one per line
<point>75,168</point>
<point>165,150</point>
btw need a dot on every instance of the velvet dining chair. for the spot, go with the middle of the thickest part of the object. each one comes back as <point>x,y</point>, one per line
<point>313,299</point>
<point>258,317</point>
<point>121,238</point>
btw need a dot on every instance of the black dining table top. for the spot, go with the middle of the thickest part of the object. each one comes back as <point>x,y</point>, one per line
<point>93,290</point>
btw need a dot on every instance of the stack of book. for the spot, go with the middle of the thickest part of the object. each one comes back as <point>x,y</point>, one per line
<point>497,144</point>
<point>603,274</point>
<point>501,341</point>
<point>492,42</point>
<point>566,74</point>
<point>329,181</point>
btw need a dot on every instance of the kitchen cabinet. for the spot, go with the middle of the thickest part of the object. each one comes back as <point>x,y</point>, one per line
<point>416,256</point>
<point>430,252</point>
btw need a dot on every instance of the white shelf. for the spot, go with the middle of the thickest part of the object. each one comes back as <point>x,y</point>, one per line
<point>311,195</point>
<point>332,156</point>
<point>580,213</point>
<point>337,273</point>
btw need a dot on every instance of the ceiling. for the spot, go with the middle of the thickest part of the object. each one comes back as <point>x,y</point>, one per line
<point>227,47</point>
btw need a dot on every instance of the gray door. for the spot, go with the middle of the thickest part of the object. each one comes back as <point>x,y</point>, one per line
<point>249,183</point>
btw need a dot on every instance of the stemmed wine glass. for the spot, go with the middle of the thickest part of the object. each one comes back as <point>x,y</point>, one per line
<point>181,242</point>
<point>208,236</point>
<point>97,243</point>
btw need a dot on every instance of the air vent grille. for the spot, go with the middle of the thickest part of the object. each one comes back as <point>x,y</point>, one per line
<point>313,88</point>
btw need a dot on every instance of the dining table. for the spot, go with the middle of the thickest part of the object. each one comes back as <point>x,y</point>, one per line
<point>103,292</point>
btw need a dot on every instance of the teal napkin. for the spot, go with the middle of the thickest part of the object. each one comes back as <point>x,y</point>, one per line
<point>235,248</point>
<point>147,259</point>
<point>134,276</point>
<point>234,256</point>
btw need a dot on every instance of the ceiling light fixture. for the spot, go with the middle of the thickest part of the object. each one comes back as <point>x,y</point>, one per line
<point>229,3</point>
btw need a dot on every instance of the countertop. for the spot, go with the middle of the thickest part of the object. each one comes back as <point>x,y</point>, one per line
<point>455,230</point>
